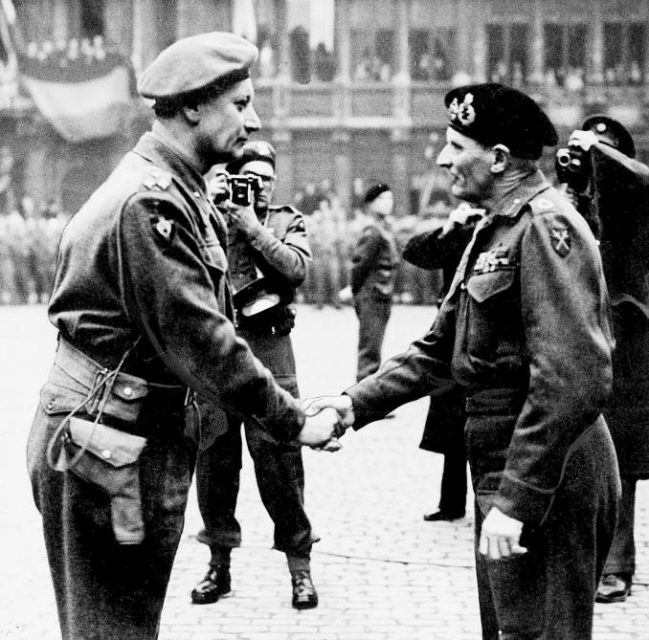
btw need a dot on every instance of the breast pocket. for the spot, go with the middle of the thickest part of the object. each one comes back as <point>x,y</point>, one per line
<point>493,323</point>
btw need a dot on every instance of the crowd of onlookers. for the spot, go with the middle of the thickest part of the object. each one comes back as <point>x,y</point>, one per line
<point>29,236</point>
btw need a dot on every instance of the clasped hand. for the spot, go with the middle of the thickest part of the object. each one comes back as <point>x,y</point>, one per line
<point>327,417</point>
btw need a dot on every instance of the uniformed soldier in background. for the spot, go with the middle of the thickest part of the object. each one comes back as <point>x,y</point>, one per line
<point>614,199</point>
<point>524,330</point>
<point>372,277</point>
<point>268,253</point>
<point>142,303</point>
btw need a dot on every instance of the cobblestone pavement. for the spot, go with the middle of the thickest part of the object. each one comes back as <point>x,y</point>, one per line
<point>381,572</point>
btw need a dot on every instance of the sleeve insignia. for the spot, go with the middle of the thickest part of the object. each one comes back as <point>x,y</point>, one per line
<point>561,242</point>
<point>163,228</point>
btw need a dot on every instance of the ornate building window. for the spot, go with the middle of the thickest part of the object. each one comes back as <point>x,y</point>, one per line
<point>565,55</point>
<point>507,53</point>
<point>624,52</point>
<point>431,54</point>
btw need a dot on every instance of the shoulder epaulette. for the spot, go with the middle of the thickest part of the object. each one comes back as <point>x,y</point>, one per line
<point>542,204</point>
<point>157,180</point>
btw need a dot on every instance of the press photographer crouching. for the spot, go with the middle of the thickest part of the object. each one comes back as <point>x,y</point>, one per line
<point>611,190</point>
<point>268,254</point>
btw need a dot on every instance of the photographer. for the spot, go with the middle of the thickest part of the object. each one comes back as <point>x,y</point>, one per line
<point>268,254</point>
<point>610,189</point>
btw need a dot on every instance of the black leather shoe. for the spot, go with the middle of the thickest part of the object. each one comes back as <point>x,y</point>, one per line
<point>613,588</point>
<point>214,585</point>
<point>304,593</point>
<point>443,516</point>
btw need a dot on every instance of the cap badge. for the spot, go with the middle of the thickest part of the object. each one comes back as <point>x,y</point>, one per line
<point>600,127</point>
<point>462,112</point>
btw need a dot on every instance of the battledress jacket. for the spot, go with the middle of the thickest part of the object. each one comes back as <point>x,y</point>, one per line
<point>526,320</point>
<point>144,258</point>
<point>621,206</point>
<point>374,263</point>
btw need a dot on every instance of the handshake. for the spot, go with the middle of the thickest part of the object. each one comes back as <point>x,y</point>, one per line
<point>327,417</point>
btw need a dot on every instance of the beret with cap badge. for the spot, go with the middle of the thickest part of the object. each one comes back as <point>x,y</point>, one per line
<point>195,62</point>
<point>492,113</point>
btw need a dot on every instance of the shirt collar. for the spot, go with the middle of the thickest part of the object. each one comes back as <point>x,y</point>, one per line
<point>511,204</point>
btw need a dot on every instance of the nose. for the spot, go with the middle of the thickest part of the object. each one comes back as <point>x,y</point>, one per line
<point>444,157</point>
<point>252,121</point>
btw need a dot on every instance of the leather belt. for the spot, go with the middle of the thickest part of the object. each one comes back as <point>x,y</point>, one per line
<point>495,401</point>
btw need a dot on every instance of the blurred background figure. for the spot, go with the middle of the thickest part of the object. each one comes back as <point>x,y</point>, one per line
<point>372,278</point>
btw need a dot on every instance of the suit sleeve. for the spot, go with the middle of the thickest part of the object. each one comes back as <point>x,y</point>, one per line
<point>565,318</point>
<point>174,285</point>
<point>364,258</point>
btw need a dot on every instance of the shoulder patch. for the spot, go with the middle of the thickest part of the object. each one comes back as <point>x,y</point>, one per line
<point>560,238</point>
<point>157,180</point>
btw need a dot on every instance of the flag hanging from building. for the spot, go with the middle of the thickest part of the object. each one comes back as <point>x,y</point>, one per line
<point>82,98</point>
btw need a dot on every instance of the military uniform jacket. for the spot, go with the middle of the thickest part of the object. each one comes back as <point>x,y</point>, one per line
<point>526,316</point>
<point>374,263</point>
<point>144,257</point>
<point>279,250</point>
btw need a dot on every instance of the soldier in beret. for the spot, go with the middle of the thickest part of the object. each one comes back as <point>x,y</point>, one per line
<point>142,304</point>
<point>372,277</point>
<point>268,253</point>
<point>524,331</point>
<point>614,201</point>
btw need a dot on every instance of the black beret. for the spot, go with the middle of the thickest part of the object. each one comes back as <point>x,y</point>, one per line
<point>492,113</point>
<point>253,150</point>
<point>196,62</point>
<point>612,129</point>
<point>375,191</point>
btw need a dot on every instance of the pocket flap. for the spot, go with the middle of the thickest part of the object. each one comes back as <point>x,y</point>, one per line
<point>481,287</point>
<point>56,399</point>
<point>114,447</point>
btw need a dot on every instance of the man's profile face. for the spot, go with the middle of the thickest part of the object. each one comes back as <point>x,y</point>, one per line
<point>469,165</point>
<point>226,122</point>
<point>265,172</point>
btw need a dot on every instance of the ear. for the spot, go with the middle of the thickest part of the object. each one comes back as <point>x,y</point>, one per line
<point>501,158</point>
<point>192,113</point>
